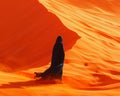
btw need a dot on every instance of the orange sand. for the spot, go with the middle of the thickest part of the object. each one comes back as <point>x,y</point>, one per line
<point>90,29</point>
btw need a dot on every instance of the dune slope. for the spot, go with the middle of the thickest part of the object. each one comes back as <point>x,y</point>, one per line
<point>92,62</point>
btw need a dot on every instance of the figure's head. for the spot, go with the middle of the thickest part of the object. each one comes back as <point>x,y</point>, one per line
<point>59,39</point>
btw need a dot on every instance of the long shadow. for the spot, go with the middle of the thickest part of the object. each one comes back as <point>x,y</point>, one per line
<point>31,83</point>
<point>27,34</point>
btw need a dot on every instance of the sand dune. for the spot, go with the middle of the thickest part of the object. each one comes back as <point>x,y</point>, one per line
<point>24,27</point>
<point>90,29</point>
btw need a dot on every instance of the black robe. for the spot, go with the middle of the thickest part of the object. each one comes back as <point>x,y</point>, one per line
<point>55,70</point>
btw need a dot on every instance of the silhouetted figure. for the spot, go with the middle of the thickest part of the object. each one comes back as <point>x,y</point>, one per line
<point>55,70</point>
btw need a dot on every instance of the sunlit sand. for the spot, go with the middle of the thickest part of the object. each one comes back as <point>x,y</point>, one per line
<point>91,36</point>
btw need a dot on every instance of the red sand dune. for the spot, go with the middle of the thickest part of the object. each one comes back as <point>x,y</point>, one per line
<point>28,32</point>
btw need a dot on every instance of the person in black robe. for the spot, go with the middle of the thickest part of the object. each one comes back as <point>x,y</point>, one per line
<point>56,68</point>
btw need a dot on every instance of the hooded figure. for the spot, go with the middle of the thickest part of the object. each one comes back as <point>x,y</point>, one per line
<point>55,70</point>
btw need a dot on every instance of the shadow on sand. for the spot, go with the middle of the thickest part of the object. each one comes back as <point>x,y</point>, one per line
<point>30,83</point>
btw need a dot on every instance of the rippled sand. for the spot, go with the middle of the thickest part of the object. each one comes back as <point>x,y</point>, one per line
<point>91,34</point>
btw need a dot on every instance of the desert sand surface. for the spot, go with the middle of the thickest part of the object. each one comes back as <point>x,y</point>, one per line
<point>91,36</point>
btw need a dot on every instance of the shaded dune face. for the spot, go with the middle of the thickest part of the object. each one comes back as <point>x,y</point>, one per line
<point>27,34</point>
